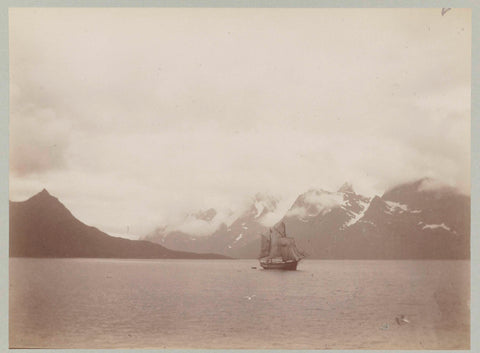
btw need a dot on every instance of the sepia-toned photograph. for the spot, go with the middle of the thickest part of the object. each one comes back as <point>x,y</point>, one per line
<point>239,178</point>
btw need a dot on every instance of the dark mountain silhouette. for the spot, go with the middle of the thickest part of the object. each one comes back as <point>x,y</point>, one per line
<point>43,227</point>
<point>417,220</point>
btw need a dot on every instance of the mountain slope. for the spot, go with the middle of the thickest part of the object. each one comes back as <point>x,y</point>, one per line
<point>230,239</point>
<point>318,220</point>
<point>418,220</point>
<point>43,227</point>
<point>410,221</point>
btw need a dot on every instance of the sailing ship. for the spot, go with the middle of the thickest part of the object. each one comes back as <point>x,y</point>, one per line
<point>279,252</point>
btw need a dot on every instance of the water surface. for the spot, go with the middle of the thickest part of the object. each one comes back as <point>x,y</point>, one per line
<point>100,303</point>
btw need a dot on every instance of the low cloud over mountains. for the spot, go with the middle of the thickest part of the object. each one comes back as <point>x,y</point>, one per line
<point>421,219</point>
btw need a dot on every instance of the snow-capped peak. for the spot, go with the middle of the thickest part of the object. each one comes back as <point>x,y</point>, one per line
<point>346,188</point>
<point>315,202</point>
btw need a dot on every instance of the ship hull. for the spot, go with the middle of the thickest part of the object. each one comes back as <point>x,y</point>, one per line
<point>285,266</point>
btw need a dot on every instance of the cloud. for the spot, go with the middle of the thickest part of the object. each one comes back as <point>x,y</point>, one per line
<point>192,225</point>
<point>315,202</point>
<point>271,209</point>
<point>271,218</point>
<point>196,227</point>
<point>39,139</point>
<point>136,117</point>
<point>428,184</point>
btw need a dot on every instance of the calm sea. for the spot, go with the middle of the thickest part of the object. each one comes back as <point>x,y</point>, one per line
<point>100,303</point>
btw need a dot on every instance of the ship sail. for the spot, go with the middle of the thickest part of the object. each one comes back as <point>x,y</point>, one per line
<point>265,247</point>
<point>277,245</point>
<point>279,229</point>
<point>289,250</point>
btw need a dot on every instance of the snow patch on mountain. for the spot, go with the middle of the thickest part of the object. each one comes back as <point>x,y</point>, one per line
<point>398,207</point>
<point>394,206</point>
<point>357,216</point>
<point>124,235</point>
<point>260,207</point>
<point>367,222</point>
<point>436,226</point>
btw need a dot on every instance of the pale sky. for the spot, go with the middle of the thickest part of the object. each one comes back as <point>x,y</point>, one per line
<point>134,117</point>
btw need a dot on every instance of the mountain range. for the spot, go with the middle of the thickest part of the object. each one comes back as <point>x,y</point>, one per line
<point>422,219</point>
<point>229,240</point>
<point>43,227</point>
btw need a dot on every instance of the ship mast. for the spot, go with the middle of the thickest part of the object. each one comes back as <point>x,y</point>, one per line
<point>276,244</point>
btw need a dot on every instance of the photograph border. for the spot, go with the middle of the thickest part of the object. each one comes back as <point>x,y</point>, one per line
<point>4,131</point>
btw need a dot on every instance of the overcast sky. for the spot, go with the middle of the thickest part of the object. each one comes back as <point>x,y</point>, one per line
<point>134,117</point>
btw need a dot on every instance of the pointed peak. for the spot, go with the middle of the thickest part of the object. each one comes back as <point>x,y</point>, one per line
<point>314,191</point>
<point>346,187</point>
<point>42,195</point>
<point>206,215</point>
